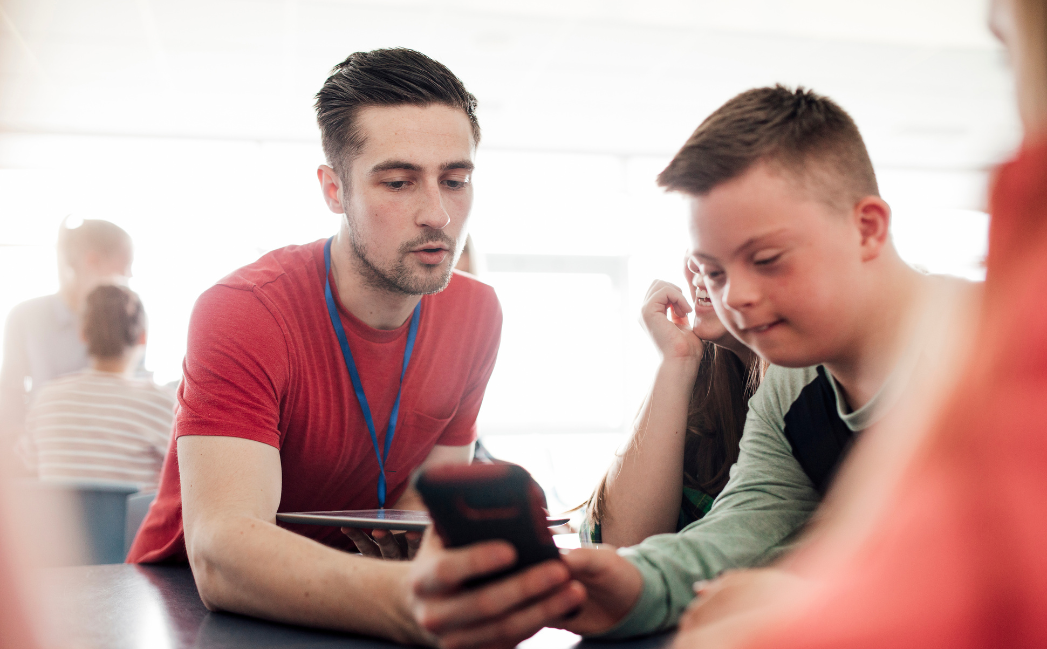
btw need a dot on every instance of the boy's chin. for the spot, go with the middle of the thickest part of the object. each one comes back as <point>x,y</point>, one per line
<point>785,356</point>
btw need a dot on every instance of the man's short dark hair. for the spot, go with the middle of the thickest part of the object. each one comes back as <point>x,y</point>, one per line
<point>387,77</point>
<point>796,131</point>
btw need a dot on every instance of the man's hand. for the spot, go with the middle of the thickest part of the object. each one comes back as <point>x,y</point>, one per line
<point>505,612</point>
<point>385,544</point>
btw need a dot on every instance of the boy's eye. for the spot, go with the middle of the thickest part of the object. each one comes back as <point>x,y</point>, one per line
<point>766,260</point>
<point>713,277</point>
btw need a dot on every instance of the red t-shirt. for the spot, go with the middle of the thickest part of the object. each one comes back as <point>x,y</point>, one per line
<point>263,363</point>
<point>958,560</point>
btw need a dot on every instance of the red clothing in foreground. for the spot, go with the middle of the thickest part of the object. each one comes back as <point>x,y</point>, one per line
<point>263,363</point>
<point>959,559</point>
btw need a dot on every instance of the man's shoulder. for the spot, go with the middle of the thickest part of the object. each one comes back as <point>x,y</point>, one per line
<point>287,264</point>
<point>275,283</point>
<point>466,292</point>
<point>36,308</point>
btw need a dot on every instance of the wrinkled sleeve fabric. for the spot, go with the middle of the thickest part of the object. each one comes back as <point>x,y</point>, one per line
<point>235,376</point>
<point>765,503</point>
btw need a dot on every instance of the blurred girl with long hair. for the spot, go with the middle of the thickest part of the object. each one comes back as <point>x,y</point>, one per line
<point>686,436</point>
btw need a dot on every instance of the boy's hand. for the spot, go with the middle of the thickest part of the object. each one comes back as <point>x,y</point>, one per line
<point>505,612</point>
<point>664,316</point>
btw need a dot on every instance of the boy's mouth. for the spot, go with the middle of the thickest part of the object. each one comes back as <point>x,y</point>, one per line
<point>764,328</point>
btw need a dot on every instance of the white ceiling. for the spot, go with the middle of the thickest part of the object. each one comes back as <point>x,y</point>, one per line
<point>924,79</point>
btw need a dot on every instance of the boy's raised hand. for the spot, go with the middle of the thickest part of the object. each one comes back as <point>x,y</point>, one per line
<point>590,591</point>
<point>664,316</point>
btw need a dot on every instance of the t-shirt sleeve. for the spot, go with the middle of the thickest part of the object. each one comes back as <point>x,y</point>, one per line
<point>235,370</point>
<point>462,428</point>
<point>767,499</point>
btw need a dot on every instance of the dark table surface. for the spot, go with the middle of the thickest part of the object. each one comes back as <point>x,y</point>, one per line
<point>130,607</point>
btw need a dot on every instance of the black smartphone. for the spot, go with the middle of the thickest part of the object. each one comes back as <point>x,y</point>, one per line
<point>481,502</point>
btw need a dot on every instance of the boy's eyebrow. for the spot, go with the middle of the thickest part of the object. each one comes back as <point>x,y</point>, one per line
<point>749,243</point>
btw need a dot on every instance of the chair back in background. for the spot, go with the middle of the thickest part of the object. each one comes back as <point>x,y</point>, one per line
<point>99,510</point>
<point>137,507</point>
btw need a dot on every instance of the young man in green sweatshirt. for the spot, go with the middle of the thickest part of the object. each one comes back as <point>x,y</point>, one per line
<point>792,238</point>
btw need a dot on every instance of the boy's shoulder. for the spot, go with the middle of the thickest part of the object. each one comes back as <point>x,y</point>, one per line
<point>781,386</point>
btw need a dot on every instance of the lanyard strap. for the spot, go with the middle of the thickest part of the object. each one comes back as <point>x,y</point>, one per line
<point>354,375</point>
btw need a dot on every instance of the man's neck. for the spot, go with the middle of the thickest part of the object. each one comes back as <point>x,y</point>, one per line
<point>377,308</point>
<point>887,326</point>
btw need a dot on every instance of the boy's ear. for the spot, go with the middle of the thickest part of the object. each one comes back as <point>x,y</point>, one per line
<point>872,215</point>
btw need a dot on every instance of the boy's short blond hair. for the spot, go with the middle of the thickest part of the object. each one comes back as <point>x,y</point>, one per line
<point>797,132</point>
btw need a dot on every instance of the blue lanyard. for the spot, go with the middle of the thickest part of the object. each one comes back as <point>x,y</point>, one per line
<point>412,333</point>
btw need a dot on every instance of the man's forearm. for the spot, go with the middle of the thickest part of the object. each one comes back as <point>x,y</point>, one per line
<point>255,568</point>
<point>644,485</point>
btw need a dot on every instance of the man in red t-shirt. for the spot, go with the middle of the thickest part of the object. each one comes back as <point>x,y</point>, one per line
<point>270,418</point>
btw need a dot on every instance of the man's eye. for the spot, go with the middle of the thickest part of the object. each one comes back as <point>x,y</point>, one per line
<point>456,184</point>
<point>396,184</point>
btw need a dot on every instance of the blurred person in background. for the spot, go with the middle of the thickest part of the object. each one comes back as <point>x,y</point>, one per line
<point>642,493</point>
<point>940,545</point>
<point>42,336</point>
<point>102,423</point>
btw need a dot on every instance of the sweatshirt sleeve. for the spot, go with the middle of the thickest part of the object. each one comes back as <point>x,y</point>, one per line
<point>766,501</point>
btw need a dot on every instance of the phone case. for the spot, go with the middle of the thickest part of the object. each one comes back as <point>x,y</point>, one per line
<point>480,502</point>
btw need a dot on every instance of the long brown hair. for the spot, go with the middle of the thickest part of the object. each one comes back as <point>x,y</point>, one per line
<point>715,421</point>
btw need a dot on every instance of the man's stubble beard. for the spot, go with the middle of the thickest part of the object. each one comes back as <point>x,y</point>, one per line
<point>399,279</point>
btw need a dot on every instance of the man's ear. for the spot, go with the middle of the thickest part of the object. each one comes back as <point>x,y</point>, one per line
<point>331,187</point>
<point>872,215</point>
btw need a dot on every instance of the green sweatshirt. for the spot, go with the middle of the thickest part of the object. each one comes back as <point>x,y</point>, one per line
<point>796,432</point>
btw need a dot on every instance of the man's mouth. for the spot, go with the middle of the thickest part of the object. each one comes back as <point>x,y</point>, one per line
<point>431,254</point>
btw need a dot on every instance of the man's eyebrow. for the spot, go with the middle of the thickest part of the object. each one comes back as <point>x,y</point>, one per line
<point>458,164</point>
<point>394,164</point>
<point>403,165</point>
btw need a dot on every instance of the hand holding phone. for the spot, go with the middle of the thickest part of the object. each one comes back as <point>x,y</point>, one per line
<point>481,502</point>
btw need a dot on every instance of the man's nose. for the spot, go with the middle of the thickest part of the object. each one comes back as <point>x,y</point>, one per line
<point>431,211</point>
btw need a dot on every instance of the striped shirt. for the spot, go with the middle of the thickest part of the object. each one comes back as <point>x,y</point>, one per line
<point>99,427</point>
